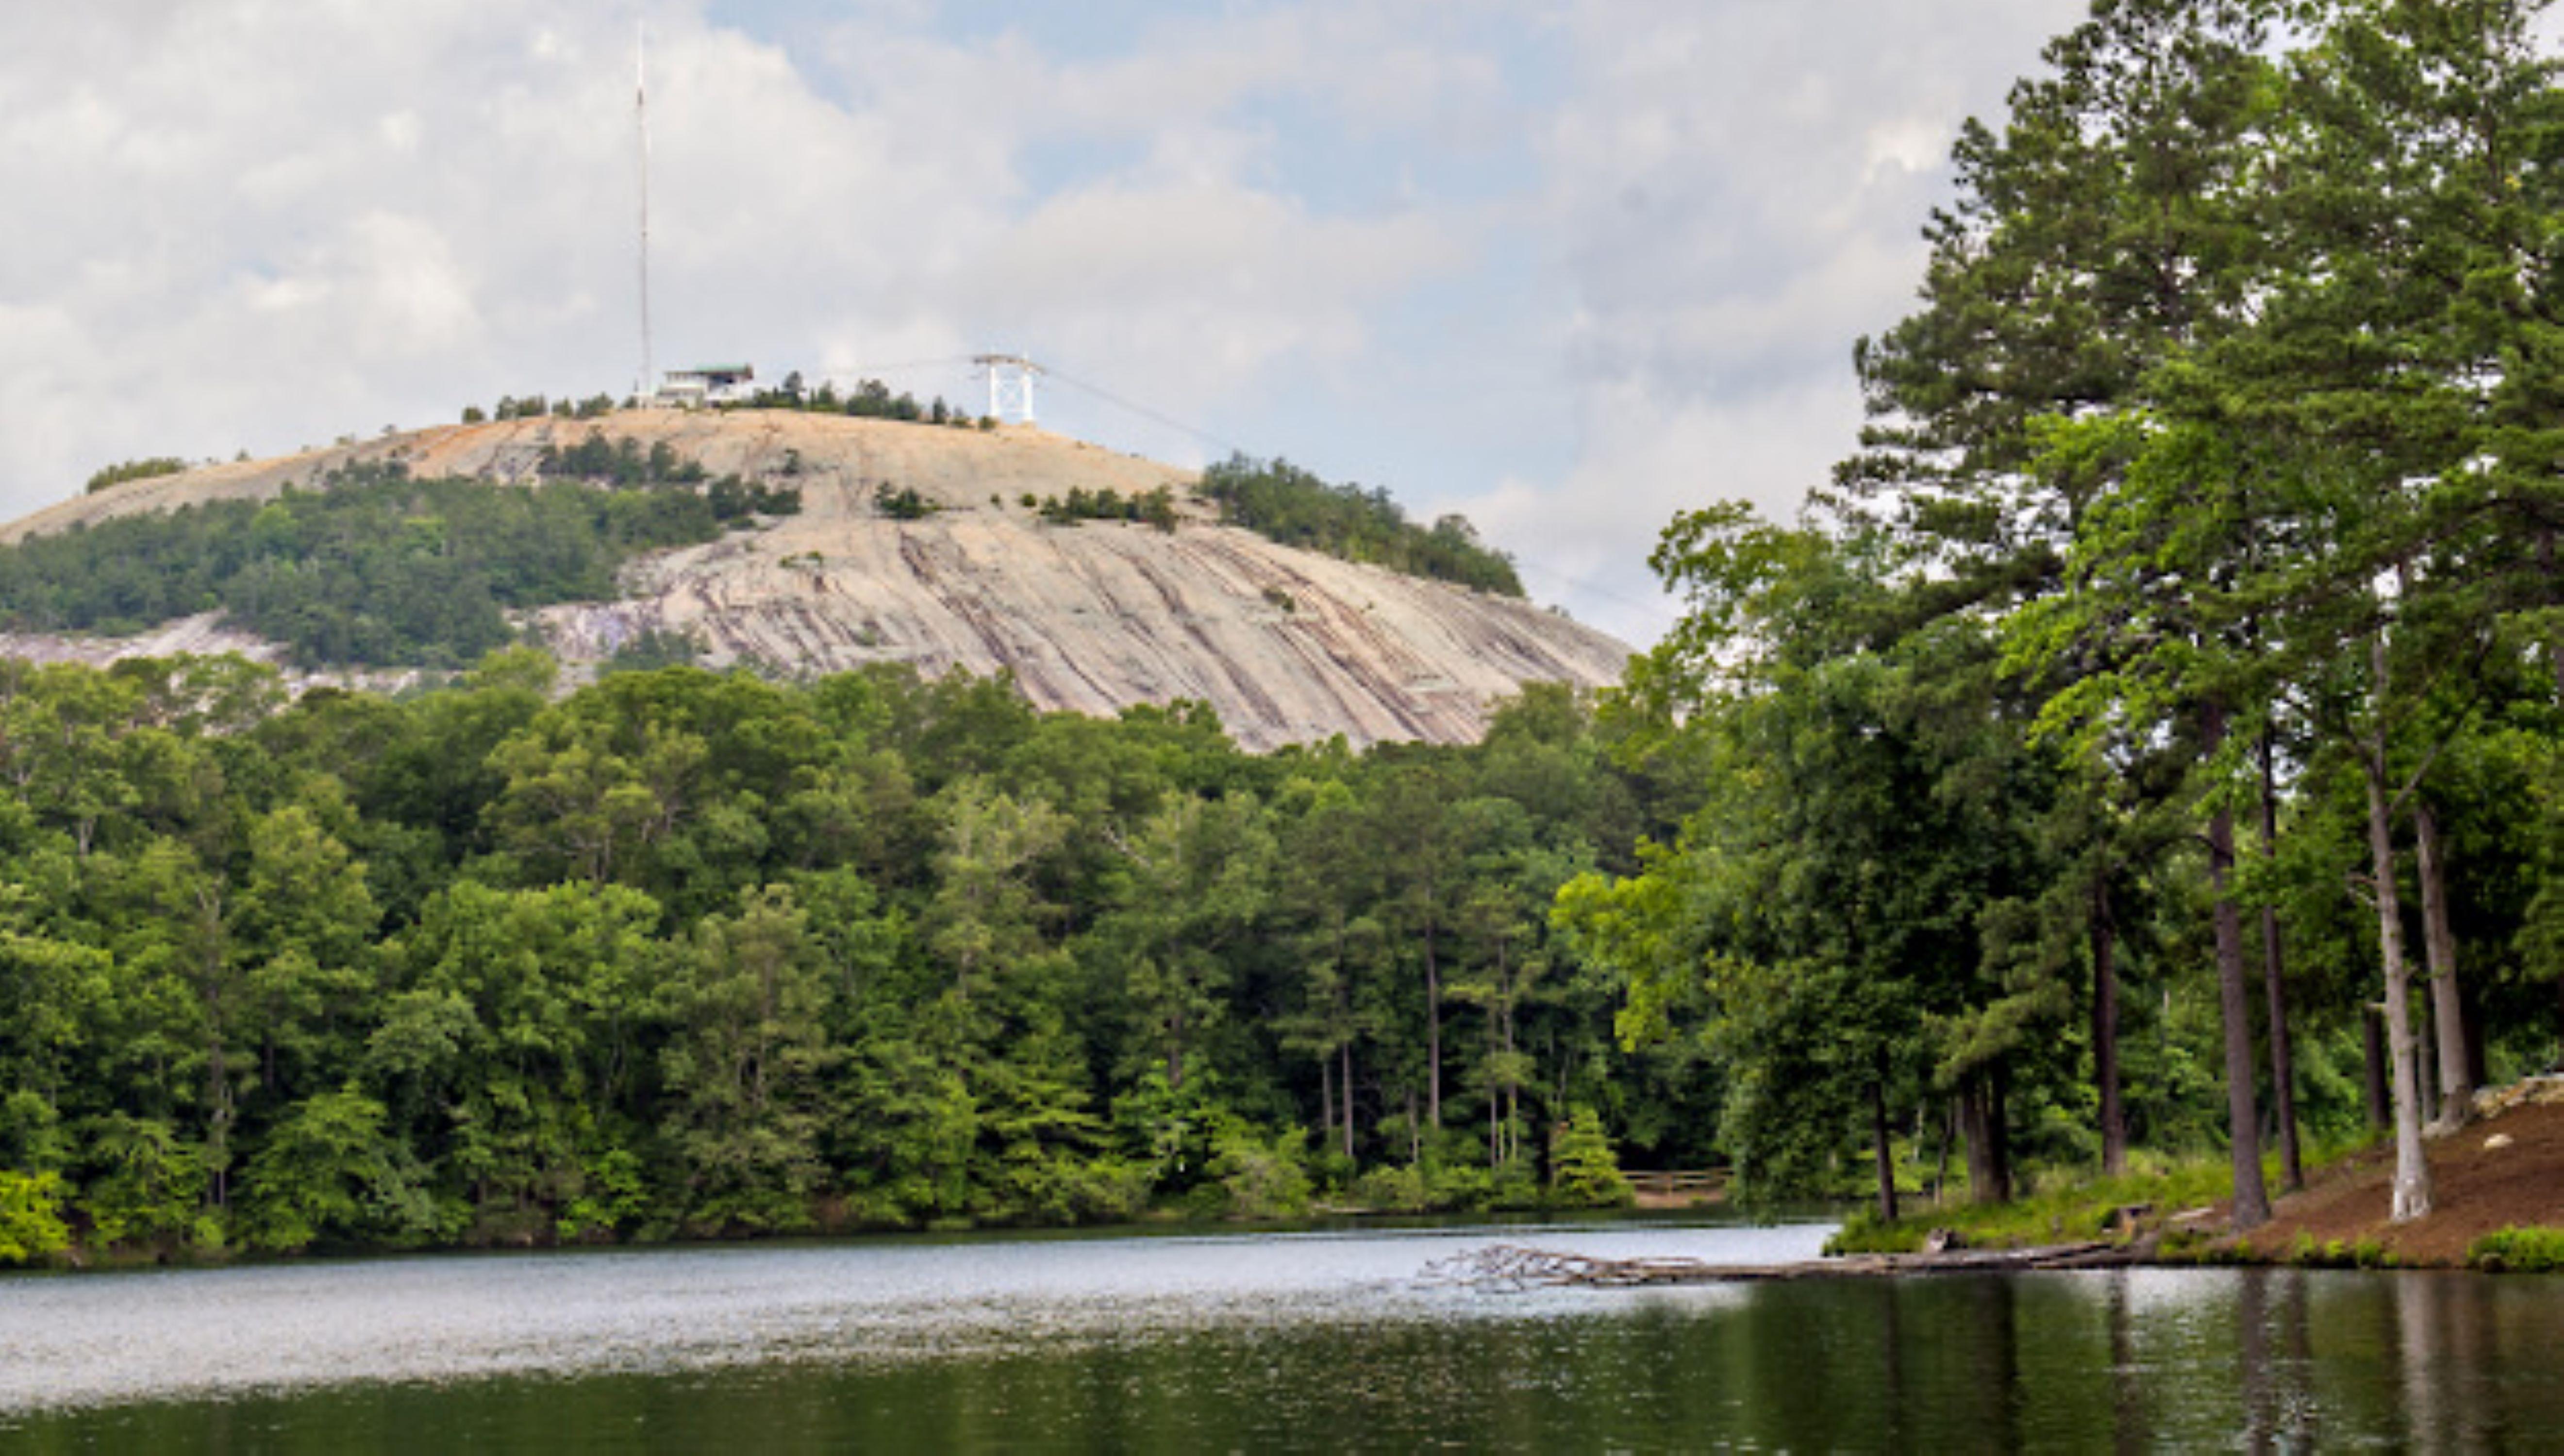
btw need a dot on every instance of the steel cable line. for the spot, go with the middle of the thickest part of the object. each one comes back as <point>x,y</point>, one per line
<point>1141,410</point>
<point>1654,610</point>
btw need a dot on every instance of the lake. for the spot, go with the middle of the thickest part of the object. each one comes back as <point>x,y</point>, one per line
<point>1325,1341</point>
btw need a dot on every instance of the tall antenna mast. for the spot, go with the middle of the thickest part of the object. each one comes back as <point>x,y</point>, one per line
<point>641,119</point>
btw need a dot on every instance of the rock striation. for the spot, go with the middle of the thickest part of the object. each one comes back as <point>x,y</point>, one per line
<point>1287,646</point>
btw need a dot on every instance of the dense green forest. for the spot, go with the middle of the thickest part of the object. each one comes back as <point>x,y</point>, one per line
<point>2173,667</point>
<point>374,568</point>
<point>686,953</point>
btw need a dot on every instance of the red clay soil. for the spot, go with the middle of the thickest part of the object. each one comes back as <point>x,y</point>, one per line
<point>2476,1190</point>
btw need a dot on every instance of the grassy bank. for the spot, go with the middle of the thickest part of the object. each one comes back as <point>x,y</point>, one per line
<point>2070,1205</point>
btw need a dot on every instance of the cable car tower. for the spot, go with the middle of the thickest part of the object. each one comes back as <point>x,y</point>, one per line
<point>1010,386</point>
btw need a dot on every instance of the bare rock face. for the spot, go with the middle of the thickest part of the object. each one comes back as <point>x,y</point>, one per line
<point>1287,646</point>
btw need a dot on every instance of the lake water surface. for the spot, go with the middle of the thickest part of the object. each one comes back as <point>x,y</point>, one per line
<point>1274,1341</point>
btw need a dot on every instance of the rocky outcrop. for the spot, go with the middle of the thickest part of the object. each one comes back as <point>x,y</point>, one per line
<point>1287,646</point>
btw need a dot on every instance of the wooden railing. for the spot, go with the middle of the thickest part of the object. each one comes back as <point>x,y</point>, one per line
<point>1707,1182</point>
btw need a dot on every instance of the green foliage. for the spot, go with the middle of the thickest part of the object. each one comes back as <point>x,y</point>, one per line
<point>2305,1253</point>
<point>2213,475</point>
<point>134,470</point>
<point>620,462</point>
<point>903,504</point>
<point>695,953</point>
<point>1864,1232</point>
<point>1154,508</point>
<point>624,465</point>
<point>1262,1177</point>
<point>31,1216</point>
<point>1289,504</point>
<point>652,649</point>
<point>2515,1250</point>
<point>1584,1170</point>
<point>328,1170</point>
<point>2067,1207</point>
<point>371,568</point>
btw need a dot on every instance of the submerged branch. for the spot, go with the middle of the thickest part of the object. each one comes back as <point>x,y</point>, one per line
<point>1512,1268</point>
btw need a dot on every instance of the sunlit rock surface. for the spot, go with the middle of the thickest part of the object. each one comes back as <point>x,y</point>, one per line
<point>1288,646</point>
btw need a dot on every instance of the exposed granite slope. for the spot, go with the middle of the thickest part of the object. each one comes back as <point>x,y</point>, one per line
<point>1287,645</point>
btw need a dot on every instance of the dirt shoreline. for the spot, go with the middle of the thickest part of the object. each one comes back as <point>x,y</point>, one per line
<point>2504,1169</point>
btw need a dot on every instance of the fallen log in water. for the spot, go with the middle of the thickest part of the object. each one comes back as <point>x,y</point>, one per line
<point>1506,1267</point>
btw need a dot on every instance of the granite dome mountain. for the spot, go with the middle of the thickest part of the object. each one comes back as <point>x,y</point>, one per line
<point>944,549</point>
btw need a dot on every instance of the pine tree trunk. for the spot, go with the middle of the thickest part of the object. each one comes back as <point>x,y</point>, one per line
<point>1999,1127</point>
<point>2477,1073</point>
<point>1950,1116</point>
<point>1981,1118</point>
<point>2372,1026</point>
<point>1878,1138</point>
<point>1974,1131</point>
<point>2235,1004</point>
<point>1345,1080</point>
<point>2105,1031</point>
<point>2283,1075</point>
<point>1326,1098</point>
<point>2559,1020</point>
<point>2412,1167</point>
<point>2440,946</point>
<point>2425,1058</point>
<point>1432,1027</point>
<point>2555,599</point>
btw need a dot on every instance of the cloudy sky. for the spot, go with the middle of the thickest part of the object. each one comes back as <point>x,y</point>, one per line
<point>1568,266</point>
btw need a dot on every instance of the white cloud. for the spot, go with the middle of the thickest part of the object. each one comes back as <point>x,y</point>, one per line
<point>1572,265</point>
<point>1584,539</point>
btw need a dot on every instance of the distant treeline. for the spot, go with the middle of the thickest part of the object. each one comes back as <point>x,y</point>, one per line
<point>697,954</point>
<point>1278,499</point>
<point>370,568</point>
<point>870,399</point>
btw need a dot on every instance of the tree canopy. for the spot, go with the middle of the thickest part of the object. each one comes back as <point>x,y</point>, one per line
<point>2197,556</point>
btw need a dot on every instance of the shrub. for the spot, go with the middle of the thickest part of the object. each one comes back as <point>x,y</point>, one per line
<point>2305,1253</point>
<point>134,470</point>
<point>655,648</point>
<point>1583,1171</point>
<point>903,504</point>
<point>1154,507</point>
<point>1866,1233</point>
<point>31,1216</point>
<point>2518,1250</point>
<point>1395,1189</point>
<point>1263,1177</point>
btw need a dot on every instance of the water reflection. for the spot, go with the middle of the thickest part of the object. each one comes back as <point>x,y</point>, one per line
<point>1264,1344</point>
